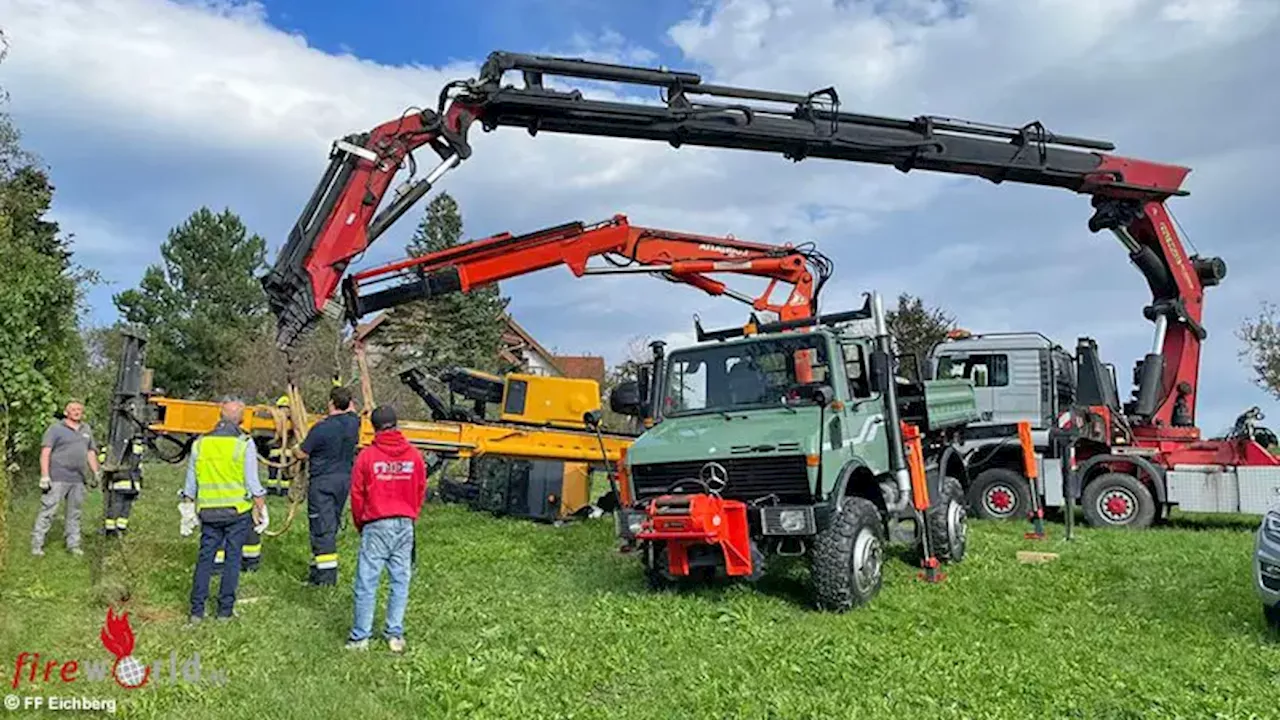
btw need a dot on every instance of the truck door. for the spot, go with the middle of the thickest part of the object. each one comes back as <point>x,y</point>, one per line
<point>1019,397</point>
<point>985,370</point>
<point>862,418</point>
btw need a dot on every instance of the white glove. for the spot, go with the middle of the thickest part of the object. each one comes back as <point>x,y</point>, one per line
<point>263,521</point>
<point>189,521</point>
<point>45,483</point>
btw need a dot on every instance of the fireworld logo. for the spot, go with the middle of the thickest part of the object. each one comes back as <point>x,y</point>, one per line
<point>126,669</point>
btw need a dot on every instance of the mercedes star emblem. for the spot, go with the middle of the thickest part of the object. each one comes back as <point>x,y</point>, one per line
<point>714,475</point>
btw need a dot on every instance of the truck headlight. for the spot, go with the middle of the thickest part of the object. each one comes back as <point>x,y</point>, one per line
<point>1271,527</point>
<point>782,520</point>
<point>791,520</point>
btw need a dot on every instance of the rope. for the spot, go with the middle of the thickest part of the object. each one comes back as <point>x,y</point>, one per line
<point>297,487</point>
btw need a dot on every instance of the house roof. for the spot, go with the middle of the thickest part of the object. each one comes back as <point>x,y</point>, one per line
<point>582,366</point>
<point>524,337</point>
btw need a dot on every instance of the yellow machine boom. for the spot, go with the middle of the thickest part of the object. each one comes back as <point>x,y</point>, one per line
<point>457,439</point>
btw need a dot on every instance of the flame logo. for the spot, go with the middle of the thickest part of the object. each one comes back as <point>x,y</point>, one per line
<point>117,638</point>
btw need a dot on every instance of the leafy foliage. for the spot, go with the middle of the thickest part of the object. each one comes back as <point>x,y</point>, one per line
<point>201,304</point>
<point>1261,338</point>
<point>916,329</point>
<point>41,290</point>
<point>459,329</point>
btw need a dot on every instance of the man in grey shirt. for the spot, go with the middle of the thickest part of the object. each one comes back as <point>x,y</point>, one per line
<point>67,447</point>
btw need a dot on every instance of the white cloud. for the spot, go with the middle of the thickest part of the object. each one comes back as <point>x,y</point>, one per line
<point>147,109</point>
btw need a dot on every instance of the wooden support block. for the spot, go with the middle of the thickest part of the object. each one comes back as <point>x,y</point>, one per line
<point>1028,557</point>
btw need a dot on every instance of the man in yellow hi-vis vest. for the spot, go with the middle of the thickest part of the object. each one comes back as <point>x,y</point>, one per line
<point>224,493</point>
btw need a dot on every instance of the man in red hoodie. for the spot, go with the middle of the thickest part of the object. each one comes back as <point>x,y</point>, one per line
<point>388,486</point>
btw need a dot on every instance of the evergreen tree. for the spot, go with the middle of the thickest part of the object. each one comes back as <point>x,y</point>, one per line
<point>460,329</point>
<point>202,304</point>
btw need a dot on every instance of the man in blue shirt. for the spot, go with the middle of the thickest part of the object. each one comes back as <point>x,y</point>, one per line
<point>330,448</point>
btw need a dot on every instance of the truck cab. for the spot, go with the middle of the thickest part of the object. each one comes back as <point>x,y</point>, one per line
<point>793,438</point>
<point>1017,377</point>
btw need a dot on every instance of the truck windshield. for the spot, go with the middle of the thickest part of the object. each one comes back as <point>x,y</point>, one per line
<point>752,375</point>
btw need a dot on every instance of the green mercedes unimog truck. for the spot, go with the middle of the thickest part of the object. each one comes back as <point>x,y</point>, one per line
<point>792,438</point>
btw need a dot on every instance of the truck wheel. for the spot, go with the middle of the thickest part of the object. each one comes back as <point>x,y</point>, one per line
<point>1000,494</point>
<point>948,525</point>
<point>1118,500</point>
<point>848,557</point>
<point>1272,615</point>
<point>656,574</point>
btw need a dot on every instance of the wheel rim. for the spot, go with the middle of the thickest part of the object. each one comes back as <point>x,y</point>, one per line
<point>866,561</point>
<point>957,529</point>
<point>1000,500</point>
<point>1117,505</point>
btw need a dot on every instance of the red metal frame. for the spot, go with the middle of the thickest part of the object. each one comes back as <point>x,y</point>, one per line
<point>683,257</point>
<point>708,520</point>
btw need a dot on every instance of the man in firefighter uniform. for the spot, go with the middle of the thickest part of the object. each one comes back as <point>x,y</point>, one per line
<point>120,487</point>
<point>277,477</point>
<point>330,448</point>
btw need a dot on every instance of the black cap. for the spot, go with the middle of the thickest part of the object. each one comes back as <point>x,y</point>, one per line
<point>383,417</point>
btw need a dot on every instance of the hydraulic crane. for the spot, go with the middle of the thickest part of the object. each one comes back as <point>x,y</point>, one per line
<point>675,256</point>
<point>343,215</point>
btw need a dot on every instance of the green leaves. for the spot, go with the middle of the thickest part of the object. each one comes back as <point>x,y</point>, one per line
<point>202,303</point>
<point>917,328</point>
<point>1261,338</point>
<point>39,293</point>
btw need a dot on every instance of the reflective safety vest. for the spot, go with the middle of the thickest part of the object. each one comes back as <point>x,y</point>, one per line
<point>220,473</point>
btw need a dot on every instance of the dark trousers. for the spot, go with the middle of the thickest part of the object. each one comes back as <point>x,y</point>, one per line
<point>119,504</point>
<point>326,499</point>
<point>220,533</point>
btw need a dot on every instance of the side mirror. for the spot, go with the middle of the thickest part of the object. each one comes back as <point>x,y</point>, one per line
<point>881,366</point>
<point>822,394</point>
<point>626,399</point>
<point>643,380</point>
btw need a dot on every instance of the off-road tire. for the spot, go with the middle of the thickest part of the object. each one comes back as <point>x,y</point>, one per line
<point>947,520</point>
<point>656,576</point>
<point>655,573</point>
<point>854,540</point>
<point>1119,489</point>
<point>1000,481</point>
<point>1271,613</point>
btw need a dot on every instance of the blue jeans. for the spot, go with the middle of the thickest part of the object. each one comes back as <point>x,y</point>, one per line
<point>383,543</point>
<point>219,533</point>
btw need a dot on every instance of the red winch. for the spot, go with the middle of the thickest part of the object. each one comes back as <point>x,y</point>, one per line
<point>682,521</point>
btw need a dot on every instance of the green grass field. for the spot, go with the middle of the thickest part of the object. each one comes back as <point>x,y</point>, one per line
<point>516,620</point>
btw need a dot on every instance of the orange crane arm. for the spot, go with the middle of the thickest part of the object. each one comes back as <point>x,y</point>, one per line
<point>676,256</point>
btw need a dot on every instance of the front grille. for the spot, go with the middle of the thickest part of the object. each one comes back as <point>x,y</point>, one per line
<point>749,478</point>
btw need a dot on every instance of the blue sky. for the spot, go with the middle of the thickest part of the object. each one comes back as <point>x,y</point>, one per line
<point>146,109</point>
<point>418,31</point>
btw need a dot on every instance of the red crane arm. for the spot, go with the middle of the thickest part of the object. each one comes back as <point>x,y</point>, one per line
<point>1129,194</point>
<point>679,257</point>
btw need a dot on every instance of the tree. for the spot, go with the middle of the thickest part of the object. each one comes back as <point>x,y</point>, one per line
<point>1261,338</point>
<point>916,329</point>
<point>638,353</point>
<point>459,329</point>
<point>202,303</point>
<point>41,291</point>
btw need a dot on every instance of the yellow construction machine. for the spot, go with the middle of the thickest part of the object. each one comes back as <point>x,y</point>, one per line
<point>534,461</point>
